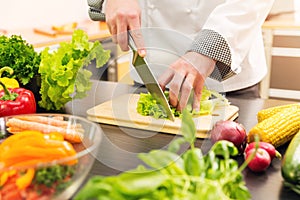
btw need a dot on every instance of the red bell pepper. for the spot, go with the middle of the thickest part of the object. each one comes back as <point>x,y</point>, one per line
<point>14,101</point>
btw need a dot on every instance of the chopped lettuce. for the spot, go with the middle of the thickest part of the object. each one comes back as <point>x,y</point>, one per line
<point>63,76</point>
<point>148,106</point>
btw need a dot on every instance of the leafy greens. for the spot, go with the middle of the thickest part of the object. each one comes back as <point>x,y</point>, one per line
<point>20,56</point>
<point>169,175</point>
<point>148,106</point>
<point>63,76</point>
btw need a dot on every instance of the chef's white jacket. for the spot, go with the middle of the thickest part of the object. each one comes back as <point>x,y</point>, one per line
<point>229,31</point>
<point>171,28</point>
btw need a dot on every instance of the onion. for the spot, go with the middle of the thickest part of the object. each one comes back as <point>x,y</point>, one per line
<point>230,131</point>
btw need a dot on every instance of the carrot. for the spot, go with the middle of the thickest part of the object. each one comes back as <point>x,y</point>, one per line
<point>55,121</point>
<point>62,124</point>
<point>71,134</point>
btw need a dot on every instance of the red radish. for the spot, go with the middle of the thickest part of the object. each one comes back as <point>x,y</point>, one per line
<point>261,160</point>
<point>266,146</point>
<point>230,131</point>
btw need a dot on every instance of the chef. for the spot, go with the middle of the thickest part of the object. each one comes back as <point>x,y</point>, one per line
<point>193,43</point>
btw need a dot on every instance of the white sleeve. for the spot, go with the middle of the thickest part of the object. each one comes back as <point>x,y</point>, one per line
<point>238,21</point>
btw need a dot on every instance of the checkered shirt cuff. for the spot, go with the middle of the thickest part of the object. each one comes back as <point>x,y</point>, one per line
<point>212,44</point>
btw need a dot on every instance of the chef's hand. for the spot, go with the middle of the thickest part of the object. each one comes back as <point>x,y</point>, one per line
<point>122,16</point>
<point>187,75</point>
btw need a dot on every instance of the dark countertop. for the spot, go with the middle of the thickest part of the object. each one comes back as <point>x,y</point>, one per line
<point>120,145</point>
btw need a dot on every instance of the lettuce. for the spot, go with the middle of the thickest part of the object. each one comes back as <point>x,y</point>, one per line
<point>147,105</point>
<point>63,73</point>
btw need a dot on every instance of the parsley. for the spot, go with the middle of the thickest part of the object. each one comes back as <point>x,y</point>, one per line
<point>20,56</point>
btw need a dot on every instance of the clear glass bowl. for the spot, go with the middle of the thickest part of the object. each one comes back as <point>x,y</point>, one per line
<point>57,187</point>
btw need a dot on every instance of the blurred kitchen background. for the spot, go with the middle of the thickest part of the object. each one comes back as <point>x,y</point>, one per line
<point>281,33</point>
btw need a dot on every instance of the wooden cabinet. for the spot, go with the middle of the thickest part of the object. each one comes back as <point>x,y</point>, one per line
<point>282,48</point>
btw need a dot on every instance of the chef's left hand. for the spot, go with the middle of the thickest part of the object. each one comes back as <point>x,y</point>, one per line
<point>187,75</point>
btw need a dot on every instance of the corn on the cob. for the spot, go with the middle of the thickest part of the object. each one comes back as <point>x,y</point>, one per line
<point>268,112</point>
<point>279,128</point>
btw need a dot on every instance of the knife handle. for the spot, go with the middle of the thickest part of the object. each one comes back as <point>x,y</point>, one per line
<point>96,14</point>
<point>131,42</point>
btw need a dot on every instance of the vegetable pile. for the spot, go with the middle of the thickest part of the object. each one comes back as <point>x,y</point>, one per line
<point>38,159</point>
<point>63,76</point>
<point>168,175</point>
<point>59,75</point>
<point>259,154</point>
<point>29,148</point>
<point>148,106</point>
<point>20,56</point>
<point>263,152</point>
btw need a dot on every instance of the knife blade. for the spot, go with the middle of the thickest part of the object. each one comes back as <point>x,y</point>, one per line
<point>149,79</point>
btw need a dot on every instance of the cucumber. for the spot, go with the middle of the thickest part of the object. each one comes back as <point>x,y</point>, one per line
<point>290,166</point>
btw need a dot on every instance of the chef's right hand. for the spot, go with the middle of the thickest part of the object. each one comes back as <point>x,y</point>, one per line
<point>122,16</point>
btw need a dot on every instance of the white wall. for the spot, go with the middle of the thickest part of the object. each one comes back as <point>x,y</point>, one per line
<point>281,6</point>
<point>15,14</point>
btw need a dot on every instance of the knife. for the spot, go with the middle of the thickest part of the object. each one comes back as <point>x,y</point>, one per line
<point>140,64</point>
<point>142,68</point>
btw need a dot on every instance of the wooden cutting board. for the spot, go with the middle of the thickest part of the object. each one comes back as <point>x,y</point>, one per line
<point>121,111</point>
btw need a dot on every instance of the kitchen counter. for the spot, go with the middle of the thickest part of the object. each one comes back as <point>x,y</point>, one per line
<point>44,36</point>
<point>120,145</point>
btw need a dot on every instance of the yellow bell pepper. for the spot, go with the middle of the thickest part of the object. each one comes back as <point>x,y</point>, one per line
<point>8,82</point>
<point>25,180</point>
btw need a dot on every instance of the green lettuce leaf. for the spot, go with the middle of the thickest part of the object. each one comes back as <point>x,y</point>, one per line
<point>63,73</point>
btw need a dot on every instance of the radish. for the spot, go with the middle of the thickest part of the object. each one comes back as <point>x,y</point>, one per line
<point>261,160</point>
<point>266,146</point>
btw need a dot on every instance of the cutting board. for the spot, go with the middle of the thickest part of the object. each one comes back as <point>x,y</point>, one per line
<point>121,111</point>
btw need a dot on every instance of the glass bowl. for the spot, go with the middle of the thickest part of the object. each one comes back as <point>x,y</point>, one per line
<point>39,157</point>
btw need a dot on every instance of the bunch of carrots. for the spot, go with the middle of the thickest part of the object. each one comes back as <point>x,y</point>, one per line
<point>35,140</point>
<point>72,132</point>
